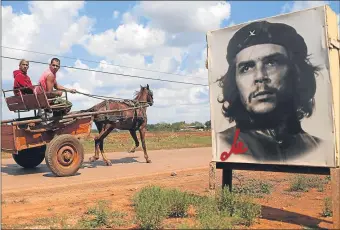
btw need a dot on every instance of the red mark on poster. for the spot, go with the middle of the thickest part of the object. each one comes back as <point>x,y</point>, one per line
<point>236,147</point>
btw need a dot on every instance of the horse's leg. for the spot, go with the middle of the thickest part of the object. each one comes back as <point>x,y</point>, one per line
<point>101,138</point>
<point>142,131</point>
<point>101,144</point>
<point>96,143</point>
<point>134,136</point>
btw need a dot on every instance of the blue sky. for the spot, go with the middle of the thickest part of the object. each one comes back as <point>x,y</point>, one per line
<point>144,35</point>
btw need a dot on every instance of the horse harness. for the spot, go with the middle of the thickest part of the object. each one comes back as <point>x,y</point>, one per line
<point>137,120</point>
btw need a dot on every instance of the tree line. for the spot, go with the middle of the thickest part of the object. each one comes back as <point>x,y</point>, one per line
<point>175,127</point>
<point>179,126</point>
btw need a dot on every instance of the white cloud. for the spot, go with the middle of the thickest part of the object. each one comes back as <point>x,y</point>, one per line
<point>76,33</point>
<point>128,38</point>
<point>55,27</point>
<point>184,16</point>
<point>300,5</point>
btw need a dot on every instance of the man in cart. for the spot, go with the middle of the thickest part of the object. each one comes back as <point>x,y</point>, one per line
<point>48,82</point>
<point>22,80</point>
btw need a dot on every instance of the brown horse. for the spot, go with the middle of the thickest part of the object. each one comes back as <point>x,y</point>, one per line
<point>129,118</point>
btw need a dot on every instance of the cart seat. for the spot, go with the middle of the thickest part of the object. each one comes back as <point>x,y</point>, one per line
<point>27,102</point>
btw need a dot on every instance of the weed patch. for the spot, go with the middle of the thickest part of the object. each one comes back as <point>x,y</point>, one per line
<point>327,207</point>
<point>151,207</point>
<point>303,183</point>
<point>154,204</point>
<point>100,216</point>
<point>254,188</point>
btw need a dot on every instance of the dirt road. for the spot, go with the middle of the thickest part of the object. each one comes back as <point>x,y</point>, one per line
<point>15,178</point>
<point>36,199</point>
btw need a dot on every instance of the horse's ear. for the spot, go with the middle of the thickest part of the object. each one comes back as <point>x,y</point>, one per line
<point>141,86</point>
<point>147,86</point>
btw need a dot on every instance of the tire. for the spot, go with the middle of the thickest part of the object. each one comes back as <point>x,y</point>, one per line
<point>64,155</point>
<point>30,158</point>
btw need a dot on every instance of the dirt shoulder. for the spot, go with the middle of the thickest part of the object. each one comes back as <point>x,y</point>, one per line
<point>36,199</point>
<point>280,209</point>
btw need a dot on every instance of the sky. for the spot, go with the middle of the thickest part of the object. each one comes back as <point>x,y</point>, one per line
<point>154,39</point>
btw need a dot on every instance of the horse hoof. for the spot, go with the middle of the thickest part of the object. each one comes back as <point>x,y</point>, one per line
<point>92,159</point>
<point>131,151</point>
<point>108,163</point>
<point>148,161</point>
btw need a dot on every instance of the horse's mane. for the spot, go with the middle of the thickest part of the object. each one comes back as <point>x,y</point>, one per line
<point>136,94</point>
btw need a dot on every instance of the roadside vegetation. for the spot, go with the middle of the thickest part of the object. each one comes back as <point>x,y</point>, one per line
<point>303,183</point>
<point>153,205</point>
<point>253,187</point>
<point>122,141</point>
<point>158,207</point>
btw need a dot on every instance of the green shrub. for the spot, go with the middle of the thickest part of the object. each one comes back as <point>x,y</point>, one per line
<point>100,216</point>
<point>237,205</point>
<point>303,183</point>
<point>178,203</point>
<point>327,209</point>
<point>151,207</point>
<point>225,209</point>
<point>253,187</point>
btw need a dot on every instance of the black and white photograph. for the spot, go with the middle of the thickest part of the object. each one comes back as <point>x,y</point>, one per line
<point>270,91</point>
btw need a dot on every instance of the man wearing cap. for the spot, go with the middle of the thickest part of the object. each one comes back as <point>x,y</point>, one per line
<point>268,89</point>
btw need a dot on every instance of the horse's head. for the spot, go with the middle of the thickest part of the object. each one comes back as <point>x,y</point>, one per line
<point>145,94</point>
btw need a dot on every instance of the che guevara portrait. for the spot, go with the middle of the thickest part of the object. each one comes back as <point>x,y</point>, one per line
<point>267,91</point>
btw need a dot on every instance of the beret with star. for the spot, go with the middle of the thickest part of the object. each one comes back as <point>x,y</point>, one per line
<point>263,32</point>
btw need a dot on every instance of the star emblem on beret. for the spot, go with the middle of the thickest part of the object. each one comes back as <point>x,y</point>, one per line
<point>252,33</point>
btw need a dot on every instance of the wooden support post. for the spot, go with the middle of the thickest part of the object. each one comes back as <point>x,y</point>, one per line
<point>227,178</point>
<point>212,177</point>
<point>335,182</point>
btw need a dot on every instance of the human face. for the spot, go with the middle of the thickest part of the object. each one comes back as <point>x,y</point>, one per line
<point>261,77</point>
<point>24,67</point>
<point>54,66</point>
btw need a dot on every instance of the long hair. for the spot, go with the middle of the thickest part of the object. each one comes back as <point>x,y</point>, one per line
<point>303,75</point>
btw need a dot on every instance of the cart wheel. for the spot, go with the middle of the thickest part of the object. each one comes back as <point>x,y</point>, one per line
<point>64,155</point>
<point>30,158</point>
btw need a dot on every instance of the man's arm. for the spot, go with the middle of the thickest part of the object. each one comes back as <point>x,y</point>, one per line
<point>50,84</point>
<point>60,87</point>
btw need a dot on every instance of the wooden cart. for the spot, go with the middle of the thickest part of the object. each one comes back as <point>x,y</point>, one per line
<point>55,139</point>
<point>33,139</point>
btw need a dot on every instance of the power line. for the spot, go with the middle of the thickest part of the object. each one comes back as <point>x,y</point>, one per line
<point>120,74</point>
<point>31,51</point>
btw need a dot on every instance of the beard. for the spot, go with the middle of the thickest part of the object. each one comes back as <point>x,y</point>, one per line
<point>284,112</point>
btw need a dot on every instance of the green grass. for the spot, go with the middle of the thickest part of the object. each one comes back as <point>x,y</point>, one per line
<point>253,187</point>
<point>101,216</point>
<point>153,205</point>
<point>327,208</point>
<point>123,142</point>
<point>302,183</point>
<point>173,141</point>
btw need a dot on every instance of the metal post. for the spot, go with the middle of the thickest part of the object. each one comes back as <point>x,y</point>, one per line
<point>227,178</point>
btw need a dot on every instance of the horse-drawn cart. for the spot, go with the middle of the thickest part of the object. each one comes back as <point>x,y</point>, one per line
<point>55,139</point>
<point>33,139</point>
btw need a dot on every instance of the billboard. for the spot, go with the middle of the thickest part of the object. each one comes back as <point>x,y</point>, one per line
<point>270,87</point>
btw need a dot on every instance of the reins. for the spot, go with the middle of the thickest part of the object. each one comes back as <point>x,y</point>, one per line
<point>106,98</point>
